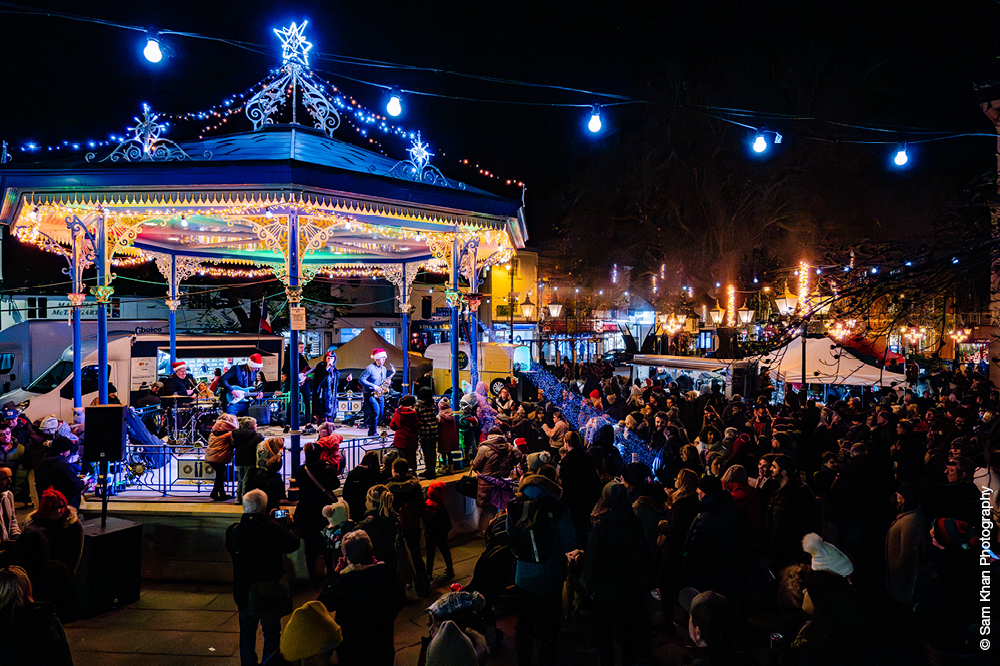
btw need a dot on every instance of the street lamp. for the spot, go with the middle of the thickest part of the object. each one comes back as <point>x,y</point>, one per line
<point>746,316</point>
<point>786,303</point>
<point>717,314</point>
<point>528,308</point>
<point>510,300</point>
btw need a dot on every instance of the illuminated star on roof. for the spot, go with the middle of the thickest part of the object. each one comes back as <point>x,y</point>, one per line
<point>294,47</point>
<point>419,154</point>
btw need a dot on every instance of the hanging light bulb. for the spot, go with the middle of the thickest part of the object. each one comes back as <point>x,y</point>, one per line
<point>152,50</point>
<point>267,213</point>
<point>759,142</point>
<point>394,106</point>
<point>595,119</point>
<point>900,159</point>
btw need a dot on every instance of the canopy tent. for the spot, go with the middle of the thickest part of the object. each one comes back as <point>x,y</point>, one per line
<point>826,362</point>
<point>355,354</point>
<point>876,348</point>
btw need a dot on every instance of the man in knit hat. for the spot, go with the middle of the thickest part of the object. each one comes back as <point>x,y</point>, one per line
<point>372,379</point>
<point>239,385</point>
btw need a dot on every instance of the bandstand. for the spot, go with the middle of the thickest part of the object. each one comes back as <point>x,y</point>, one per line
<point>283,197</point>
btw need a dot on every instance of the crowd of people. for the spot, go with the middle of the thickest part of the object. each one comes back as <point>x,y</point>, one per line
<point>676,524</point>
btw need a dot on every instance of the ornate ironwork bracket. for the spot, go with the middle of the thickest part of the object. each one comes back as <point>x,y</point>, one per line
<point>266,103</point>
<point>394,274</point>
<point>418,168</point>
<point>102,293</point>
<point>147,144</point>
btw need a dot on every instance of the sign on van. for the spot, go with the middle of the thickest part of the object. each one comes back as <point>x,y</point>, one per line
<point>143,371</point>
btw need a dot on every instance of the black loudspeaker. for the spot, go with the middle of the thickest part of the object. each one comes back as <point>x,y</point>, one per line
<point>104,433</point>
<point>108,576</point>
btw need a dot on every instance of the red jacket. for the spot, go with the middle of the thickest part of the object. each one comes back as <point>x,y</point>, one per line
<point>448,432</point>
<point>406,423</point>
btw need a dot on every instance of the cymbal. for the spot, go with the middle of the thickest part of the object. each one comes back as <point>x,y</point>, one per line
<point>181,396</point>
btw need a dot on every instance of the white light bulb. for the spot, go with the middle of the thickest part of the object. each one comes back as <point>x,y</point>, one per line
<point>394,108</point>
<point>595,119</point>
<point>759,144</point>
<point>900,159</point>
<point>152,50</point>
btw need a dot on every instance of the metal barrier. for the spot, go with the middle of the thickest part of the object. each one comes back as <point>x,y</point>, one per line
<point>170,466</point>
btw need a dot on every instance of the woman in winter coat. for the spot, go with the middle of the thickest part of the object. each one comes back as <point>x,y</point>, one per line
<point>447,432</point>
<point>359,481</point>
<point>61,525</point>
<point>495,458</point>
<point>749,510</point>
<point>267,475</point>
<point>616,572</point>
<point>406,424</point>
<point>245,441</point>
<point>317,479</point>
<point>219,453</point>
<point>557,431</point>
<point>33,635</point>
<point>382,525</point>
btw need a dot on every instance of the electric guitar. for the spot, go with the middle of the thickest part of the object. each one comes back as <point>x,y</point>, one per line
<point>304,375</point>
<point>239,394</point>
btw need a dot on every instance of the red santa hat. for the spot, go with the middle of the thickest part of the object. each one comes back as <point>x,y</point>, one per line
<point>376,353</point>
<point>178,365</point>
<point>256,362</point>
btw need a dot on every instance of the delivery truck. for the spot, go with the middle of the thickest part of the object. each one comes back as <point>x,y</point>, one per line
<point>135,362</point>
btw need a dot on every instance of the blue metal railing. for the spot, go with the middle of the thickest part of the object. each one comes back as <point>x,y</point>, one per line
<point>179,466</point>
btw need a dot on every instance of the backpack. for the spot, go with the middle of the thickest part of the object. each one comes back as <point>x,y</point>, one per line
<point>531,528</point>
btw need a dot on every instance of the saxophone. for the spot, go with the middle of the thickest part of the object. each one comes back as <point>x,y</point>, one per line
<point>384,387</point>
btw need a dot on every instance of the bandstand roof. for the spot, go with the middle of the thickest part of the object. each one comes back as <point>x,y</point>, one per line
<point>354,207</point>
<point>228,199</point>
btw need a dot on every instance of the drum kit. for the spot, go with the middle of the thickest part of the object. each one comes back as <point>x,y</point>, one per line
<point>192,418</point>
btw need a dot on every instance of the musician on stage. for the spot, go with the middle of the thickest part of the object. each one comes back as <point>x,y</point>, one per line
<point>327,378</point>
<point>179,388</point>
<point>304,379</point>
<point>239,386</point>
<point>372,380</point>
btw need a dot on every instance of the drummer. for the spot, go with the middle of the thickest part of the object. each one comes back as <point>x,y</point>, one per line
<point>178,388</point>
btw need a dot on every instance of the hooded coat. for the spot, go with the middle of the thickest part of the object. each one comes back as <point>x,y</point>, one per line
<point>447,429</point>
<point>406,423</point>
<point>494,458</point>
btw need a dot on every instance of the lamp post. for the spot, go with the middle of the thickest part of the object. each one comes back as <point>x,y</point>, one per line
<point>510,300</point>
<point>555,309</point>
<point>528,312</point>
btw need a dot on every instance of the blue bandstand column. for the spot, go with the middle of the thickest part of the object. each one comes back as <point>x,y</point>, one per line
<point>404,323</point>
<point>172,304</point>
<point>455,307</point>
<point>103,295</point>
<point>294,297</point>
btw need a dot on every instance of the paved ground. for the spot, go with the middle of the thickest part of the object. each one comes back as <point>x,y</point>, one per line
<point>197,625</point>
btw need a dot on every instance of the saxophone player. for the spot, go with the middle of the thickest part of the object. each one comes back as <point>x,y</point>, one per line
<point>372,381</point>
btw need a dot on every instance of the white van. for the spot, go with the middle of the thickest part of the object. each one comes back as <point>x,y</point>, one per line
<point>496,361</point>
<point>134,360</point>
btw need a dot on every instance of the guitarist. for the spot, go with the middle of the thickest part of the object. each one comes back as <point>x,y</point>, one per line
<point>239,383</point>
<point>372,379</point>
<point>304,379</point>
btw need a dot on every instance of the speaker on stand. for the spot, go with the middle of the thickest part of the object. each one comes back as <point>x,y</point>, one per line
<point>104,443</point>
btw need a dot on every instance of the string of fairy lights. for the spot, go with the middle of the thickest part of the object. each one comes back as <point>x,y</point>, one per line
<point>762,127</point>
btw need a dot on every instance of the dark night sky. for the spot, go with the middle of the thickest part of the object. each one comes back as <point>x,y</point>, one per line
<point>898,64</point>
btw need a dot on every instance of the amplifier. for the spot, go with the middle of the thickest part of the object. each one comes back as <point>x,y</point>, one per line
<point>349,405</point>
